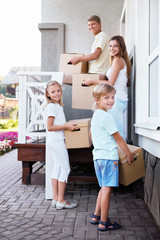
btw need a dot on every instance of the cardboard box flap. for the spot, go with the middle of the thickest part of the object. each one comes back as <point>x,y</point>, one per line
<point>82,122</point>
<point>122,155</point>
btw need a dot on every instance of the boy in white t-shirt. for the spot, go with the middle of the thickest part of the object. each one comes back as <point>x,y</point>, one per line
<point>105,138</point>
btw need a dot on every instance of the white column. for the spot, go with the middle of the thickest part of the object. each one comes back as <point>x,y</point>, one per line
<point>22,109</point>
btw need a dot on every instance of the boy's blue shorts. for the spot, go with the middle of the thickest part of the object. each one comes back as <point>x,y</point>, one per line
<point>107,172</point>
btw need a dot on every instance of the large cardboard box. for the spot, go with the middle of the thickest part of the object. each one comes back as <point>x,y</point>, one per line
<point>82,95</point>
<point>79,139</point>
<point>130,173</point>
<point>66,67</point>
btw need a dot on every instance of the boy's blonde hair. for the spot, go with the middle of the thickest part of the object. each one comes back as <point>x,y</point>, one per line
<point>51,83</point>
<point>100,90</point>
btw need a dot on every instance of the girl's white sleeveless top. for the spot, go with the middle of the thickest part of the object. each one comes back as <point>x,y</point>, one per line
<point>121,83</point>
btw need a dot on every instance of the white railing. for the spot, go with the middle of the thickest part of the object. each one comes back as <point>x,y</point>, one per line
<point>31,104</point>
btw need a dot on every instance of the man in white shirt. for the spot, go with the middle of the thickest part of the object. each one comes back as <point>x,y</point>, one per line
<point>99,56</point>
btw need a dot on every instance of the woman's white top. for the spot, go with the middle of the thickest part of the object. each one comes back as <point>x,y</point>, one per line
<point>121,83</point>
<point>56,111</point>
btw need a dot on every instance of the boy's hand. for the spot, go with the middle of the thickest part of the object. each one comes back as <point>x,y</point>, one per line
<point>130,158</point>
<point>120,141</point>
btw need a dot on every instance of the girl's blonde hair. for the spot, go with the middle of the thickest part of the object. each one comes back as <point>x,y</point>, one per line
<point>51,83</point>
<point>101,90</point>
<point>122,53</point>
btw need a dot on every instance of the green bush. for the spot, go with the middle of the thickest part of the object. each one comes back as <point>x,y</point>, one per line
<point>9,124</point>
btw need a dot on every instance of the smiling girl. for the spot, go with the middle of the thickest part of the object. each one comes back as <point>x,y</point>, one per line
<point>55,144</point>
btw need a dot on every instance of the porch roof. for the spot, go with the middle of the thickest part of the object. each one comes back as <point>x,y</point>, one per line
<point>12,78</point>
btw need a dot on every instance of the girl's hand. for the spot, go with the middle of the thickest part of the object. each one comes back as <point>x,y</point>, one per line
<point>130,158</point>
<point>87,82</point>
<point>71,126</point>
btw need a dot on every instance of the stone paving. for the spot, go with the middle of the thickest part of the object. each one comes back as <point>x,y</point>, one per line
<point>25,214</point>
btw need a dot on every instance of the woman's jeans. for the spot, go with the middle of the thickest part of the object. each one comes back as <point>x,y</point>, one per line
<point>118,113</point>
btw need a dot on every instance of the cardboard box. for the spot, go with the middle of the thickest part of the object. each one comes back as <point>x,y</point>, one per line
<point>82,95</point>
<point>79,139</point>
<point>130,173</point>
<point>67,68</point>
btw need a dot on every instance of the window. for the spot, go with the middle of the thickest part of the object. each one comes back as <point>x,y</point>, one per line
<point>153,24</point>
<point>153,89</point>
<point>154,59</point>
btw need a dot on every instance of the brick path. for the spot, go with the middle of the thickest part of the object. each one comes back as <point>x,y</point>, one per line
<point>25,214</point>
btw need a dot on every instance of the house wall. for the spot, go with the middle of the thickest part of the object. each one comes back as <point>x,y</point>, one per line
<point>147,128</point>
<point>75,13</point>
<point>67,20</point>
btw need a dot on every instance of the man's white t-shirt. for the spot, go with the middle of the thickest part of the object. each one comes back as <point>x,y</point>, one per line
<point>101,64</point>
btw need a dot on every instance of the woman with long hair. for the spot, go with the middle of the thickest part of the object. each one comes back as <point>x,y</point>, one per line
<point>117,76</point>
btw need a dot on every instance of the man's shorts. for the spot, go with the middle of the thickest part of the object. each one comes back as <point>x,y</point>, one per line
<point>107,172</point>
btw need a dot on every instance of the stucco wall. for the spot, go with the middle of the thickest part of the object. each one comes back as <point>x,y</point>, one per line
<point>74,14</point>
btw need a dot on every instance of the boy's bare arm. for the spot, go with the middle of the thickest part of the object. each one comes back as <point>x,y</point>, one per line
<point>120,141</point>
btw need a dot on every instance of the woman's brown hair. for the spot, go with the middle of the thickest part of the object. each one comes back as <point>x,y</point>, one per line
<point>123,53</point>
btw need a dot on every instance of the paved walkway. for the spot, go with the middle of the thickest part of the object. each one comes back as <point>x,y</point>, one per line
<point>25,214</point>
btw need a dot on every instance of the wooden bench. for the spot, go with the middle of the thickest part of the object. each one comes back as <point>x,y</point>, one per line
<point>30,153</point>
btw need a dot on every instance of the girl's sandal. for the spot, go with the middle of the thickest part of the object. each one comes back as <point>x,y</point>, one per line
<point>95,221</point>
<point>108,225</point>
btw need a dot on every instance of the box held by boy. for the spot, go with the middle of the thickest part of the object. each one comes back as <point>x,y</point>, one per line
<point>130,173</point>
<point>80,138</point>
<point>82,95</point>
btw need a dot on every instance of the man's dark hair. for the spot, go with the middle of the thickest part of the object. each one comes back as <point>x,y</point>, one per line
<point>95,18</point>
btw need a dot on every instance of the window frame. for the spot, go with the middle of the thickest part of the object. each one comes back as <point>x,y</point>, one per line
<point>152,56</point>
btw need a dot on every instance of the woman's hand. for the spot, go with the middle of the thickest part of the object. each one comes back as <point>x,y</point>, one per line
<point>88,81</point>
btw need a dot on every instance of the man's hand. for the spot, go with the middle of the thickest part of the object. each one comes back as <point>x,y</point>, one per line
<point>93,56</point>
<point>75,60</point>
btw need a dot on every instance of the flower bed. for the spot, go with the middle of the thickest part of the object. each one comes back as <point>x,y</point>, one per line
<point>7,141</point>
<point>6,146</point>
<point>9,136</point>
